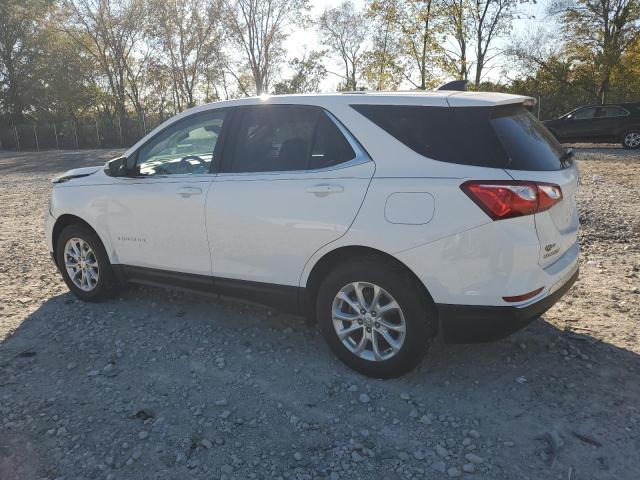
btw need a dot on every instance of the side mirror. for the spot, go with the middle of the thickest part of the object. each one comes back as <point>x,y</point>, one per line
<point>131,163</point>
<point>117,167</point>
<point>569,117</point>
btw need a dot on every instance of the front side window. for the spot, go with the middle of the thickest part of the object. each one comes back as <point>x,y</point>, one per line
<point>585,113</point>
<point>273,138</point>
<point>607,112</point>
<point>185,147</point>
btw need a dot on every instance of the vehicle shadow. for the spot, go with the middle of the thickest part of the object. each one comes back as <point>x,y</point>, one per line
<point>83,387</point>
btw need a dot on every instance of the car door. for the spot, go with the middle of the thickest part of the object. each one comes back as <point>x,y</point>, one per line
<point>579,125</point>
<point>609,122</point>
<point>156,213</point>
<point>292,180</point>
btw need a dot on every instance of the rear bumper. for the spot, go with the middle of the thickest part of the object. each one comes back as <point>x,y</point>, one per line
<point>475,323</point>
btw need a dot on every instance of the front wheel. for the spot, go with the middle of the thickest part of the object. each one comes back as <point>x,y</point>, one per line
<point>631,139</point>
<point>84,264</point>
<point>375,317</point>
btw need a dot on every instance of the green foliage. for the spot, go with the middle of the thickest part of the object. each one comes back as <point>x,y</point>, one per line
<point>22,50</point>
<point>597,36</point>
<point>407,43</point>
<point>308,72</point>
<point>344,30</point>
<point>595,59</point>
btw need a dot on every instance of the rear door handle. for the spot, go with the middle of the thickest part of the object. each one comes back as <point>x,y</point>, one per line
<point>324,190</point>
<point>185,192</point>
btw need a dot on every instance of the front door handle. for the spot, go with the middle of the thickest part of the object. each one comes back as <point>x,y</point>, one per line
<point>324,190</point>
<point>185,192</point>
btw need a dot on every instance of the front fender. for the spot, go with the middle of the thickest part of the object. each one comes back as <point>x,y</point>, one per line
<point>88,204</point>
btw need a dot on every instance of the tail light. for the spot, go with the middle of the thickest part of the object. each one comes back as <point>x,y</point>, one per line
<point>508,199</point>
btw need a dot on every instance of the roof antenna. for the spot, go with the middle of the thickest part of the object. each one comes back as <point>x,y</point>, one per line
<point>457,85</point>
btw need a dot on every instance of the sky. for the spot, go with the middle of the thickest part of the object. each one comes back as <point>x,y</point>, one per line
<point>299,39</point>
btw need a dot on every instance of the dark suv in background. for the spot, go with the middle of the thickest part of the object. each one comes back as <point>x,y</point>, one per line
<point>599,124</point>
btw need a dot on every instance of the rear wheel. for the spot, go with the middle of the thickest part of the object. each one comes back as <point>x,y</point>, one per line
<point>631,139</point>
<point>84,264</point>
<point>375,317</point>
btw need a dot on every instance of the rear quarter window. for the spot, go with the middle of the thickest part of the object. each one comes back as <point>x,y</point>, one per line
<point>496,137</point>
<point>527,143</point>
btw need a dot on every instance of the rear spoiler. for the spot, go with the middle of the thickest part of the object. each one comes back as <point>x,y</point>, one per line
<point>487,99</point>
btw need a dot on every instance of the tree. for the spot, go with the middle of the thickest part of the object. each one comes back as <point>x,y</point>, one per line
<point>383,64</point>
<point>21,46</point>
<point>159,98</point>
<point>68,82</point>
<point>565,79</point>
<point>308,72</point>
<point>458,21</point>
<point>599,32</point>
<point>344,30</point>
<point>541,54</point>
<point>625,81</point>
<point>490,20</point>
<point>109,31</point>
<point>417,23</point>
<point>259,28</point>
<point>190,34</point>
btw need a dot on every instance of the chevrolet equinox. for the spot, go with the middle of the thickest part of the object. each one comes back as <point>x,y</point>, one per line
<point>385,217</point>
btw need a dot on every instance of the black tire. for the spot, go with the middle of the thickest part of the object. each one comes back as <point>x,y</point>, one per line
<point>107,285</point>
<point>623,141</point>
<point>416,304</point>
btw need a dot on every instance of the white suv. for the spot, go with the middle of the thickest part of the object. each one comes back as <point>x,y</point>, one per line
<point>384,217</point>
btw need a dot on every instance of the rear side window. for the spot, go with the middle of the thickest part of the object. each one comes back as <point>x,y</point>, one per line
<point>496,137</point>
<point>611,111</point>
<point>329,148</point>
<point>273,138</point>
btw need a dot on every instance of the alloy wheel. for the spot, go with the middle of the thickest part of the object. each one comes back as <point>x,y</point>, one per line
<point>368,321</point>
<point>81,264</point>
<point>632,139</point>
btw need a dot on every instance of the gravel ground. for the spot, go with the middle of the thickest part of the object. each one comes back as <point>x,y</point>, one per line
<point>172,385</point>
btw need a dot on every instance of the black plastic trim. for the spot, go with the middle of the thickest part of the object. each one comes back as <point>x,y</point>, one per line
<point>476,324</point>
<point>283,297</point>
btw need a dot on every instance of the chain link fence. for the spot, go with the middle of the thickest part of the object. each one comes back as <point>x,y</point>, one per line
<point>76,134</point>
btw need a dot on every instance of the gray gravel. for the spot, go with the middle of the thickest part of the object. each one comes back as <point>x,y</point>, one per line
<point>168,385</point>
